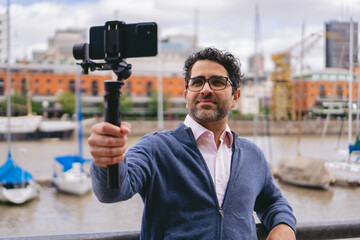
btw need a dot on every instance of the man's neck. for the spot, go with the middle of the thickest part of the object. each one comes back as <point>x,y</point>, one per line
<point>217,128</point>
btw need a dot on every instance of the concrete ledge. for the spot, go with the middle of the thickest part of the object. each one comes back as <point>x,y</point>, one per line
<point>246,127</point>
<point>330,229</point>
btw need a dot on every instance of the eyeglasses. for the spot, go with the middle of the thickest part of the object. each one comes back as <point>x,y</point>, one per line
<point>216,83</point>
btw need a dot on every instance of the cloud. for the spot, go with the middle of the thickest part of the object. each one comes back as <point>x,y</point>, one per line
<point>226,24</point>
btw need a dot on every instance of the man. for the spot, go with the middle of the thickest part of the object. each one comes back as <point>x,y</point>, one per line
<point>199,181</point>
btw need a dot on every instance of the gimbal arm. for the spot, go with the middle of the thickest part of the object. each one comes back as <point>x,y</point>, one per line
<point>112,94</point>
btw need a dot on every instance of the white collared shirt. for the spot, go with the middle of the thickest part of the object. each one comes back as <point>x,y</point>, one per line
<point>218,160</point>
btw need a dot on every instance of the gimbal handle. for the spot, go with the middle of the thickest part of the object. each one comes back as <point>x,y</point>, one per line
<point>112,115</point>
<point>112,93</point>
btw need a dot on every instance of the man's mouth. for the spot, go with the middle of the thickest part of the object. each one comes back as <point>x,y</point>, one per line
<point>206,102</point>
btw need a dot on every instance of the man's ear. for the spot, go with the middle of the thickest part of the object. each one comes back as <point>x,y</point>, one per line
<point>185,96</point>
<point>236,97</point>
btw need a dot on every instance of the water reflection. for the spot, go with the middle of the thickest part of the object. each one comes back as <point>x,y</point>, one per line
<point>57,213</point>
<point>14,217</point>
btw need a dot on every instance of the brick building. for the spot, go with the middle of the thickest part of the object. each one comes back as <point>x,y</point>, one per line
<point>52,84</point>
<point>330,84</point>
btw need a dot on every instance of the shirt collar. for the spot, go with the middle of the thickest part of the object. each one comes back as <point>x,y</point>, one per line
<point>199,130</point>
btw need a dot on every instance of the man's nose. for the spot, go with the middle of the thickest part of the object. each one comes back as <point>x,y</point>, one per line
<point>206,89</point>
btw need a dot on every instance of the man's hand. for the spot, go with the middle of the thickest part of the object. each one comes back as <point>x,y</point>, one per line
<point>281,232</point>
<point>108,143</point>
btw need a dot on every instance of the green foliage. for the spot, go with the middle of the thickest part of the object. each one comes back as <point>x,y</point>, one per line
<point>18,106</point>
<point>68,101</point>
<point>265,110</point>
<point>152,105</point>
<point>36,107</point>
<point>235,114</point>
<point>126,102</point>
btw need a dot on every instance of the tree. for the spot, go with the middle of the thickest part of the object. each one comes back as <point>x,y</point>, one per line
<point>18,105</point>
<point>67,100</point>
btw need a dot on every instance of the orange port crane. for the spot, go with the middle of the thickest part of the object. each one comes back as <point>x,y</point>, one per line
<point>283,92</point>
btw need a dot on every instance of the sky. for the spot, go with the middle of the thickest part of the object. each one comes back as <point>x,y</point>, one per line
<point>225,24</point>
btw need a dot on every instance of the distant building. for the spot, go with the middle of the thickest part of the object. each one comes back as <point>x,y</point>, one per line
<point>172,50</point>
<point>254,96</point>
<point>330,84</point>
<point>256,63</point>
<point>48,80</point>
<point>256,91</point>
<point>337,47</point>
<point>3,38</point>
<point>60,47</point>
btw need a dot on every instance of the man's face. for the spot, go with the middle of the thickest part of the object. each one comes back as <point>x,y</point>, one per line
<point>208,105</point>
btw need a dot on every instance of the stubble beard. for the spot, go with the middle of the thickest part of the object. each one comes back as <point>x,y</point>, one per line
<point>209,113</point>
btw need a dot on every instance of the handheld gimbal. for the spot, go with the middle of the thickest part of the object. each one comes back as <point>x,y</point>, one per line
<point>112,43</point>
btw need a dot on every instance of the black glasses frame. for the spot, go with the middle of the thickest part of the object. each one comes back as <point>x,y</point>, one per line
<point>207,80</point>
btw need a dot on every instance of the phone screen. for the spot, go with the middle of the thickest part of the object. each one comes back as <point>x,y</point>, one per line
<point>137,40</point>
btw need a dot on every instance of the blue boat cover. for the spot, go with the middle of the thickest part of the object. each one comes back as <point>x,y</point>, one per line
<point>68,160</point>
<point>11,173</point>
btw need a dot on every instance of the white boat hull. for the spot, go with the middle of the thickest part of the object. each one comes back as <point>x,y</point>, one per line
<point>345,172</point>
<point>19,195</point>
<point>20,124</point>
<point>73,183</point>
<point>56,126</point>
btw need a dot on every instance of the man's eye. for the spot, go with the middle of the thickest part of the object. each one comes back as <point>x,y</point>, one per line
<point>196,82</point>
<point>218,82</point>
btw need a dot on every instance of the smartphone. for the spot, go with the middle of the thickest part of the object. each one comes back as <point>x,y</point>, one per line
<point>135,40</point>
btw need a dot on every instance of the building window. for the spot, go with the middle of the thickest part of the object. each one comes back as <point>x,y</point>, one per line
<point>322,91</point>
<point>23,86</point>
<point>48,92</point>
<point>2,86</point>
<point>339,92</point>
<point>60,81</point>
<point>48,81</point>
<point>94,88</point>
<point>72,85</point>
<point>148,88</point>
<point>128,88</point>
<point>36,81</point>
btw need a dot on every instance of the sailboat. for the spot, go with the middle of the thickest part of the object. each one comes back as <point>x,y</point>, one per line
<point>16,185</point>
<point>22,126</point>
<point>69,173</point>
<point>300,170</point>
<point>348,171</point>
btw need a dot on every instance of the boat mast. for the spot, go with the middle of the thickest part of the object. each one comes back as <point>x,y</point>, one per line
<point>8,76</point>
<point>79,111</point>
<point>300,96</point>
<point>350,80</point>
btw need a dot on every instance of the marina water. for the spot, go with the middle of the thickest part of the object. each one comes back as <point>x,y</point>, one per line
<point>55,213</point>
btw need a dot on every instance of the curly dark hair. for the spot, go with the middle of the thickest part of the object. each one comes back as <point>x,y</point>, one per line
<point>226,59</point>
